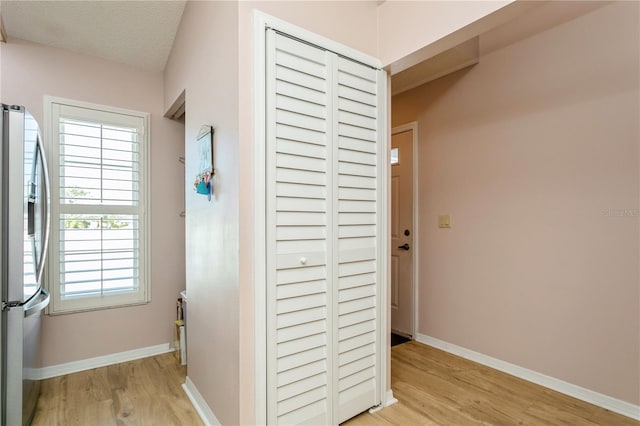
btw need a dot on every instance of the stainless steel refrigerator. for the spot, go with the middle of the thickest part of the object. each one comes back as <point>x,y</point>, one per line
<point>24,214</point>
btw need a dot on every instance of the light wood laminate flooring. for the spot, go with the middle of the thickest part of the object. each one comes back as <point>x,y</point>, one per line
<point>143,392</point>
<point>436,388</point>
<point>432,386</point>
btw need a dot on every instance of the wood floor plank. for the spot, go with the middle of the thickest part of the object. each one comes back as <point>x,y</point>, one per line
<point>368,419</point>
<point>434,387</point>
<point>437,409</point>
<point>142,392</point>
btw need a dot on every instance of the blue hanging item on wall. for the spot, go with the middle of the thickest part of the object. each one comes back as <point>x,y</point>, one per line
<point>203,188</point>
<point>202,183</point>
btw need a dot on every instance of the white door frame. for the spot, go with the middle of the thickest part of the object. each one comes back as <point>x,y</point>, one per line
<point>263,21</point>
<point>413,126</point>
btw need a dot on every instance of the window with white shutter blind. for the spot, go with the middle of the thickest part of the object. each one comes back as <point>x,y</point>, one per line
<point>99,221</point>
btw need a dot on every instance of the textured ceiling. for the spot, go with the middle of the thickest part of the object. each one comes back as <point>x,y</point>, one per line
<point>138,33</point>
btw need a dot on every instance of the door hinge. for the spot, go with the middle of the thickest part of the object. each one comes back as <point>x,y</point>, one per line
<point>9,305</point>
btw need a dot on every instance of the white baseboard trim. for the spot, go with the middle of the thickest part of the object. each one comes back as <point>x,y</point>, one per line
<point>390,399</point>
<point>102,361</point>
<point>592,397</point>
<point>201,406</point>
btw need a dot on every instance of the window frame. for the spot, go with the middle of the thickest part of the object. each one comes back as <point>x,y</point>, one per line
<point>95,112</point>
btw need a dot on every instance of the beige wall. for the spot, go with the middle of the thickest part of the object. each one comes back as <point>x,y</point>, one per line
<point>30,71</point>
<point>212,60</point>
<point>204,63</point>
<point>534,151</point>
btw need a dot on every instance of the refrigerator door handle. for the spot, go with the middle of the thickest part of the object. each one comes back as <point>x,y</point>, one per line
<point>47,214</point>
<point>37,307</point>
<point>31,210</point>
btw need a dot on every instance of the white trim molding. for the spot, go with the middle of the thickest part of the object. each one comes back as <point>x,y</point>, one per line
<point>384,240</point>
<point>201,406</point>
<point>592,397</point>
<point>390,399</point>
<point>259,215</point>
<point>263,21</point>
<point>103,361</point>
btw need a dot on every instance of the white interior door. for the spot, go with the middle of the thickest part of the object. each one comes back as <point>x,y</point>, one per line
<point>402,303</point>
<point>321,241</point>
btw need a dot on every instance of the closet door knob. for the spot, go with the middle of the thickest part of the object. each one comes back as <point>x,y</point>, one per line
<point>303,260</point>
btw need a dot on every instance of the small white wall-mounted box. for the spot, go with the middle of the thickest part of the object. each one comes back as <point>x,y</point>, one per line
<point>444,221</point>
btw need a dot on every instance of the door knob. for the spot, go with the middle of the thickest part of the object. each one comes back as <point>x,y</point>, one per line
<point>405,246</point>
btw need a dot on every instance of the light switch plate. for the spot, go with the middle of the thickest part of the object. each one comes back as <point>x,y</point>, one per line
<point>444,221</point>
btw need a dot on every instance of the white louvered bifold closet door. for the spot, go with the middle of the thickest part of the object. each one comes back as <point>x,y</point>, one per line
<point>322,356</point>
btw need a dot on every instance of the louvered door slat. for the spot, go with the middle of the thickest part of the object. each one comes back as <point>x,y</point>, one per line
<point>355,119</point>
<point>288,103</point>
<point>301,149</point>
<point>298,134</point>
<point>300,373</point>
<point>357,366</point>
<point>288,204</point>
<point>356,268</point>
<point>284,290</point>
<point>356,231</point>
<point>298,331</point>
<point>353,293</point>
<point>357,157</point>
<point>295,91</point>
<point>300,162</point>
<point>348,66</point>
<point>300,317</point>
<point>357,280</point>
<point>304,191</point>
<point>358,83</point>
<point>301,233</point>
<point>357,144</point>
<point>302,79</point>
<point>355,107</point>
<point>346,92</point>
<point>356,335</point>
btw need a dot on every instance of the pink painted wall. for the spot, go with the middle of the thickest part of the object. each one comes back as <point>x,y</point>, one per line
<point>204,63</point>
<point>30,71</point>
<point>212,60</point>
<point>412,31</point>
<point>534,152</point>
